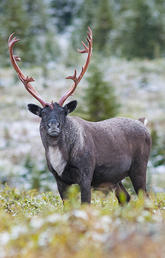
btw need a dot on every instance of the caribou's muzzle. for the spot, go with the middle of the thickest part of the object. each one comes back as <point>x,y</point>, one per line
<point>53,128</point>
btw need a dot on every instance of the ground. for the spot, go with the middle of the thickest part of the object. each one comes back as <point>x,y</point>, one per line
<point>39,225</point>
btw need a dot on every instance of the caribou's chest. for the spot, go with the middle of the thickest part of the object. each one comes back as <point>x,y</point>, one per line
<point>56,159</point>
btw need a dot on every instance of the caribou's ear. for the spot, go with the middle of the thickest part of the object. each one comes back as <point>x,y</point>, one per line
<point>35,109</point>
<point>69,107</point>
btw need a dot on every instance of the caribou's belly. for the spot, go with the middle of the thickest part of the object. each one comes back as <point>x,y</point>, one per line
<point>56,159</point>
<point>114,172</point>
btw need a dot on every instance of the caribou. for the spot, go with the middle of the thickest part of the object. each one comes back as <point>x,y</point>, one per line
<point>90,154</point>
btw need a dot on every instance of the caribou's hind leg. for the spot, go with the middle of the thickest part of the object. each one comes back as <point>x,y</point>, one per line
<point>138,176</point>
<point>119,190</point>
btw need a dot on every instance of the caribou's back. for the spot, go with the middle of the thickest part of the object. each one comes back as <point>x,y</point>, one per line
<point>121,135</point>
<point>117,143</point>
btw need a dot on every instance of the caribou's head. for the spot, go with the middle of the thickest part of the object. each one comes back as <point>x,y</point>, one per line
<point>53,118</point>
<point>52,114</point>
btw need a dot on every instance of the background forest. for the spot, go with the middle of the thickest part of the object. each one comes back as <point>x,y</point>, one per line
<point>126,77</point>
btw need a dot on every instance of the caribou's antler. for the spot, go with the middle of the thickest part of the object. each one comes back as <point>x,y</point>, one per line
<point>87,49</point>
<point>25,80</point>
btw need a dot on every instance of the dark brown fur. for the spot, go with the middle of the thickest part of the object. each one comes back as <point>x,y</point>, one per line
<point>93,154</point>
<point>112,150</point>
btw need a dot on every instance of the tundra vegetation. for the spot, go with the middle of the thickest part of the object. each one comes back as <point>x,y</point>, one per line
<point>131,66</point>
<point>39,225</point>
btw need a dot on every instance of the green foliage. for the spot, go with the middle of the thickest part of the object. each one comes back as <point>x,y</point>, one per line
<point>30,20</point>
<point>13,18</point>
<point>123,28</point>
<point>37,176</point>
<point>86,18</point>
<point>140,30</point>
<point>39,225</point>
<point>63,12</point>
<point>88,14</point>
<point>97,15</point>
<point>99,99</point>
<point>158,149</point>
<point>103,26</point>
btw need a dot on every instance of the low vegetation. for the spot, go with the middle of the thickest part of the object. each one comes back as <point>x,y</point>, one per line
<point>39,225</point>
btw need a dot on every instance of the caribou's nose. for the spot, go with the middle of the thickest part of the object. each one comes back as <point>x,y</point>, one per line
<point>53,124</point>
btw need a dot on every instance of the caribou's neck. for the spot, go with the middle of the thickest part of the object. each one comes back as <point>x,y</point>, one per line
<point>67,138</point>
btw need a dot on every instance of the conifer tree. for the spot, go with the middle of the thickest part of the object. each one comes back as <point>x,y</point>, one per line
<point>63,13</point>
<point>141,29</point>
<point>103,25</point>
<point>100,100</point>
<point>30,20</point>
<point>96,14</point>
<point>86,18</point>
<point>88,14</point>
<point>13,18</point>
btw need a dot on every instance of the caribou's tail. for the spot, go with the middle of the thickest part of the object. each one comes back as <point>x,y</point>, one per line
<point>143,120</point>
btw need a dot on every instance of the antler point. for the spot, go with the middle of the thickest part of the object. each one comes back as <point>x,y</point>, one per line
<point>87,49</point>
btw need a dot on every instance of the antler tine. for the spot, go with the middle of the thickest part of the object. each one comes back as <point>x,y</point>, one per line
<point>73,77</point>
<point>25,79</point>
<point>87,49</point>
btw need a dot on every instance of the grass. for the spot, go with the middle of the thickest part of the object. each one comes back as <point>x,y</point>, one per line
<point>39,225</point>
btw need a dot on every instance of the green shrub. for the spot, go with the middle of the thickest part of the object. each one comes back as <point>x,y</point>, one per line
<point>99,98</point>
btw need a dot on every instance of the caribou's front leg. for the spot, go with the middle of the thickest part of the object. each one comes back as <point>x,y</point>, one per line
<point>85,185</point>
<point>62,188</point>
<point>85,189</point>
